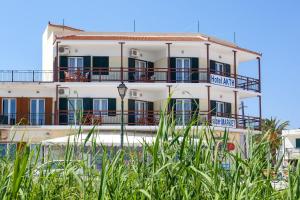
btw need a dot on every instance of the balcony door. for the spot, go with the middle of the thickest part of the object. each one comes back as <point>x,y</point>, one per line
<point>220,108</point>
<point>75,107</point>
<point>75,64</point>
<point>141,69</point>
<point>100,107</point>
<point>183,111</point>
<point>141,112</point>
<point>183,66</point>
<point>9,111</point>
<point>37,111</point>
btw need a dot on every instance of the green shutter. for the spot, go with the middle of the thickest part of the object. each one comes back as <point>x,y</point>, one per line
<point>63,111</point>
<point>151,113</point>
<point>213,107</point>
<point>195,70</point>
<point>227,71</point>
<point>88,104</point>
<point>63,67</point>
<point>87,66</point>
<point>112,104</point>
<point>297,143</point>
<point>131,69</point>
<point>150,69</point>
<point>212,66</point>
<point>195,107</point>
<point>101,63</point>
<point>172,69</point>
<point>131,112</point>
<point>228,110</point>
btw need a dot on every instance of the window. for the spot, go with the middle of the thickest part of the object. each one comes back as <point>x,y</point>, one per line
<point>141,68</point>
<point>220,68</point>
<point>141,111</point>
<point>75,64</point>
<point>37,111</point>
<point>183,69</point>
<point>183,111</point>
<point>9,110</point>
<point>298,143</point>
<point>100,107</point>
<point>220,108</point>
<point>74,110</point>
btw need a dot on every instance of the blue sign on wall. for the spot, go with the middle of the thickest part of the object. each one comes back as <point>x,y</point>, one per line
<point>222,80</point>
<point>223,122</point>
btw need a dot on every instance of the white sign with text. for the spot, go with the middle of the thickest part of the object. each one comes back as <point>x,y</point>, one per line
<point>222,80</point>
<point>223,122</point>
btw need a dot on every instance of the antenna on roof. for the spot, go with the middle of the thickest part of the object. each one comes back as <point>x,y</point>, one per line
<point>134,25</point>
<point>198,26</point>
<point>234,40</point>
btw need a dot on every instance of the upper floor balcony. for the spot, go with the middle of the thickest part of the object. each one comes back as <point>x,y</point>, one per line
<point>146,75</point>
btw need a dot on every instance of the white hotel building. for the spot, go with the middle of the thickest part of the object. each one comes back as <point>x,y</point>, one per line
<point>81,71</point>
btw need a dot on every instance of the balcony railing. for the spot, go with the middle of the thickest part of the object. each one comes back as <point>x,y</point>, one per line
<point>139,118</point>
<point>292,153</point>
<point>157,75</point>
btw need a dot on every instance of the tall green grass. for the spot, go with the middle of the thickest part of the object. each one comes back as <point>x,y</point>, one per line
<point>179,164</point>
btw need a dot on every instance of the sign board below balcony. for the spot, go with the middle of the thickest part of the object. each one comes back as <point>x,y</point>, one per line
<point>222,80</point>
<point>223,122</point>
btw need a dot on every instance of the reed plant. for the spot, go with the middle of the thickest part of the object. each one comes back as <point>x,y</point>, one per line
<point>185,163</point>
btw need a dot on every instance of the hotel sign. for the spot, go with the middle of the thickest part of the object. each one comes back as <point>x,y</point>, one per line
<point>222,80</point>
<point>223,122</point>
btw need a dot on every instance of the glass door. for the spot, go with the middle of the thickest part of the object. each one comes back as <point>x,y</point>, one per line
<point>220,108</point>
<point>9,111</point>
<point>141,112</point>
<point>74,110</point>
<point>100,107</point>
<point>183,111</point>
<point>219,68</point>
<point>75,64</point>
<point>183,66</point>
<point>37,112</point>
<point>141,68</point>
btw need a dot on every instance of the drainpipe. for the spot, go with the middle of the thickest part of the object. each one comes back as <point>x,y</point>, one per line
<point>236,109</point>
<point>122,67</point>
<point>260,115</point>
<point>56,67</point>
<point>56,116</point>
<point>207,62</point>
<point>259,74</point>
<point>234,67</point>
<point>208,100</point>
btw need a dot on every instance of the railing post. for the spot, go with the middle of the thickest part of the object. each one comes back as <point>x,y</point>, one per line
<point>12,75</point>
<point>32,75</point>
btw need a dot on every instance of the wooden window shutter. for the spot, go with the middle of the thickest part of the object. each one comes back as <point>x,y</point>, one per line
<point>48,110</point>
<point>22,110</point>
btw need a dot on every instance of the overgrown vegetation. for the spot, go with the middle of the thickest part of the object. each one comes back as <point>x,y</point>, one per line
<point>184,164</point>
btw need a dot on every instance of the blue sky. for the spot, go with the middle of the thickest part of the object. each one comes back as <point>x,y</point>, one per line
<point>270,27</point>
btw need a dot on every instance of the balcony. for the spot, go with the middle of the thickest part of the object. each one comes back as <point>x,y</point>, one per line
<point>292,153</point>
<point>133,118</point>
<point>157,75</point>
